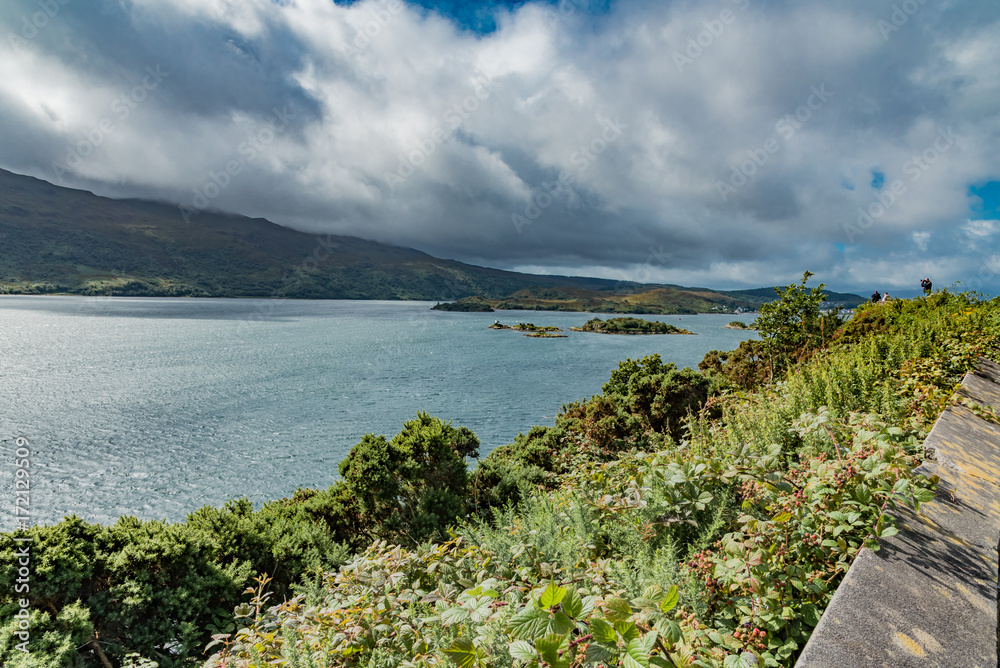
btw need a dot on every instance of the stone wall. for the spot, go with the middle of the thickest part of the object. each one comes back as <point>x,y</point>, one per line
<point>929,596</point>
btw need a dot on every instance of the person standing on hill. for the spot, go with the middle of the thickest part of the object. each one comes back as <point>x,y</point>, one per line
<point>876,297</point>
<point>926,285</point>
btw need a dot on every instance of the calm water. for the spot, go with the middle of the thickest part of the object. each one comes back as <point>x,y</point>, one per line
<point>154,407</point>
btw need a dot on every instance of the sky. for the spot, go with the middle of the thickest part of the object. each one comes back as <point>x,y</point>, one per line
<point>722,143</point>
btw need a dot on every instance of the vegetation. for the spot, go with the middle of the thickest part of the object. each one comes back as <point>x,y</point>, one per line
<point>678,518</point>
<point>532,330</point>
<point>737,324</point>
<point>640,299</point>
<point>475,304</point>
<point>791,329</point>
<point>532,327</point>
<point>629,326</point>
<point>161,590</point>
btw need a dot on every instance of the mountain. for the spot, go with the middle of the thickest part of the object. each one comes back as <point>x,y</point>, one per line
<point>55,239</point>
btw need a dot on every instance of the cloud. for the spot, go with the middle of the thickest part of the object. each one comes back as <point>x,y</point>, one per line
<point>981,229</point>
<point>399,123</point>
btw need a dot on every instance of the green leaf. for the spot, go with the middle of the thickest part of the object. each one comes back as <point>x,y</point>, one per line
<point>674,632</point>
<point>863,495</point>
<point>601,653</point>
<point>669,601</point>
<point>573,603</point>
<point>560,623</point>
<point>636,655</point>
<point>744,660</point>
<point>618,609</point>
<point>602,631</point>
<point>888,532</point>
<point>454,616</point>
<point>627,630</point>
<point>528,624</point>
<point>782,517</point>
<point>462,653</point>
<point>549,647</point>
<point>552,595</point>
<point>810,614</point>
<point>523,650</point>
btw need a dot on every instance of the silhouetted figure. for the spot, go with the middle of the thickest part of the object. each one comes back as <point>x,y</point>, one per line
<point>926,285</point>
<point>876,297</point>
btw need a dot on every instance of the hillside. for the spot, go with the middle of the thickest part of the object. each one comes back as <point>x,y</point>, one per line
<point>760,296</point>
<point>61,240</point>
<point>634,299</point>
<point>57,239</point>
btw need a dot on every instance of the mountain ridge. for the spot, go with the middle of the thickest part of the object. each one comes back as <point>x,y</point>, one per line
<point>55,239</point>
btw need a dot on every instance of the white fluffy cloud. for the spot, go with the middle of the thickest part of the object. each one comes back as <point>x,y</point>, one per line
<point>727,143</point>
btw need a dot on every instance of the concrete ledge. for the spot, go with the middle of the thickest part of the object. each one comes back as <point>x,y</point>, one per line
<point>929,596</point>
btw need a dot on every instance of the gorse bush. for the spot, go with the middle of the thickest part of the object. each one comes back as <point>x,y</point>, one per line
<point>160,590</point>
<point>676,519</point>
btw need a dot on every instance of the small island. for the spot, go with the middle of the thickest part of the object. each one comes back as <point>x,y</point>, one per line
<point>736,324</point>
<point>531,330</point>
<point>629,326</point>
<point>465,305</point>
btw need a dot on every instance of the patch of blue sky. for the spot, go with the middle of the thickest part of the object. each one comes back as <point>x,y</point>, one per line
<point>480,17</point>
<point>988,205</point>
<point>878,179</point>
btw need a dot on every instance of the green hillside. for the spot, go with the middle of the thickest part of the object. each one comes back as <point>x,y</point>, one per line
<point>57,239</point>
<point>60,240</point>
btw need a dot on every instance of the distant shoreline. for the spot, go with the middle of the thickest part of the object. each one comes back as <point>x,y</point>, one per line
<point>361,299</point>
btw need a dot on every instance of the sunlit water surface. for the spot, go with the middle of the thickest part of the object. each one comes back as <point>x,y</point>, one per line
<point>154,407</point>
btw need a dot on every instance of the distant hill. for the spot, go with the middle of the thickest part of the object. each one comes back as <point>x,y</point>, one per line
<point>55,239</point>
<point>61,240</point>
<point>764,295</point>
